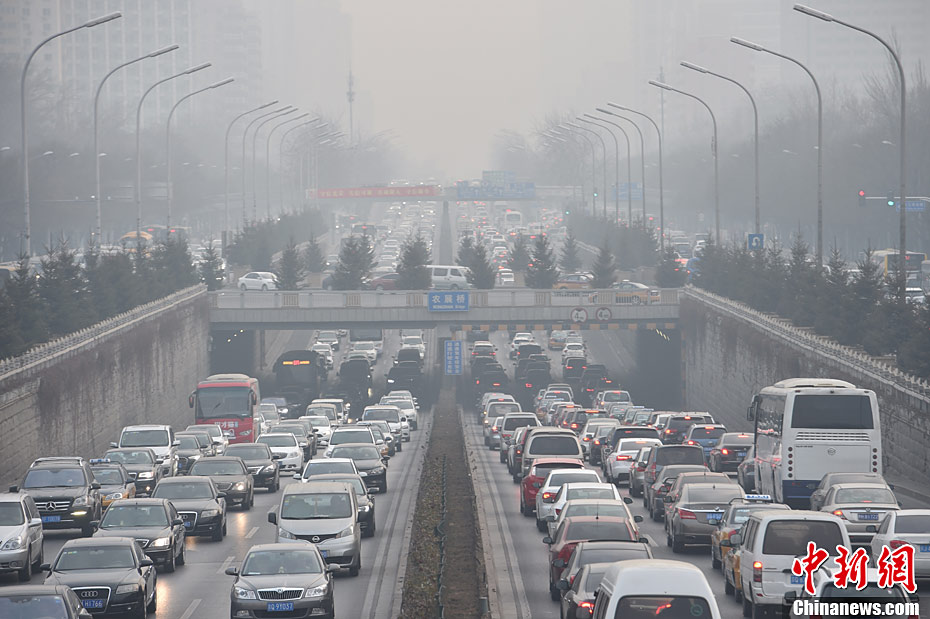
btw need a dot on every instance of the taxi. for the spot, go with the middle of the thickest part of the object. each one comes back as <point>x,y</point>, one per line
<point>115,481</point>
<point>732,521</point>
<point>557,339</point>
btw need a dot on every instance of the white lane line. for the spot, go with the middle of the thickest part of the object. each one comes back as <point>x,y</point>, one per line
<point>225,564</point>
<point>191,609</point>
<point>252,532</point>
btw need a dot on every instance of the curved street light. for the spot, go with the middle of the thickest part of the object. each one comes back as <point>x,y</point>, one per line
<point>226,165</point>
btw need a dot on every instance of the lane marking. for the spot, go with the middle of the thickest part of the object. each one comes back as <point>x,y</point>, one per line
<point>225,564</point>
<point>191,609</point>
<point>252,532</point>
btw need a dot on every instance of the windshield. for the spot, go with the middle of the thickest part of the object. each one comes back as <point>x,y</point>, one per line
<point>599,530</point>
<point>864,495</point>
<point>502,408</point>
<point>278,440</point>
<point>130,457</point>
<point>327,467</point>
<point>596,509</point>
<point>54,478</point>
<point>361,452</point>
<point>108,477</point>
<point>144,438</point>
<point>705,433</point>
<point>184,490</point>
<point>249,452</point>
<point>269,562</point>
<point>382,414</point>
<point>790,537</point>
<point>872,592</point>
<point>351,436</point>
<point>327,336</point>
<point>188,442</point>
<point>316,506</point>
<point>557,479</point>
<point>662,607</point>
<point>32,605</point>
<point>555,446</point>
<point>616,396</point>
<point>720,495</point>
<point>223,402</point>
<point>320,422</point>
<point>353,481</point>
<point>832,412</point>
<point>589,493</point>
<point>917,523</point>
<point>223,467</point>
<point>123,516</point>
<point>11,514</point>
<point>322,411</point>
<point>101,558</point>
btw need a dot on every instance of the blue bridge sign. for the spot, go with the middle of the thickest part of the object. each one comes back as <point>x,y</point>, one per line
<point>447,301</point>
<point>453,358</point>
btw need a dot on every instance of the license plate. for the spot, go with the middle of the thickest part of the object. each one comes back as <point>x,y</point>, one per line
<point>740,454</point>
<point>324,553</point>
<point>797,580</point>
<point>868,516</point>
<point>51,518</point>
<point>280,606</point>
<point>92,603</point>
<point>925,548</point>
<point>188,524</point>
<point>714,516</point>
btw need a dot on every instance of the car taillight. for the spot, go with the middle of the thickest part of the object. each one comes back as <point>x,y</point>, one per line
<point>493,428</point>
<point>495,384</point>
<point>519,452</point>
<point>623,457</point>
<point>586,439</point>
<point>529,385</point>
<point>597,441</point>
<point>558,510</point>
<point>757,571</point>
<point>574,426</point>
<point>668,431</point>
<point>839,512</point>
<point>691,443</point>
<point>588,605</point>
<point>725,451</point>
<point>640,468</point>
<point>589,389</point>
<point>896,543</point>
<point>686,514</point>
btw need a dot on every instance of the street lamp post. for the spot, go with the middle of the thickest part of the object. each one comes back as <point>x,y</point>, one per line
<point>138,196</point>
<point>902,220</point>
<point>661,186</point>
<point>168,188</point>
<point>268,159</point>
<point>226,166</point>
<point>755,140</point>
<point>281,159</point>
<point>97,187</point>
<point>567,127</point>
<point>604,147</point>
<point>759,48</point>
<point>290,110</point>
<point>642,148</point>
<point>245,133</point>
<point>716,175</point>
<point>318,141</point>
<point>629,172</point>
<point>27,233</point>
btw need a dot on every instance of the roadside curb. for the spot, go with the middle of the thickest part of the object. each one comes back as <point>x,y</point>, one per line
<point>494,604</point>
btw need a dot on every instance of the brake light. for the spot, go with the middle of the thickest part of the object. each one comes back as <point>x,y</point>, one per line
<point>757,571</point>
<point>589,389</point>
<point>586,439</point>
<point>725,451</point>
<point>493,428</point>
<point>574,426</point>
<point>547,495</point>
<point>686,514</point>
<point>839,512</point>
<point>477,381</point>
<point>597,441</point>
<point>495,384</point>
<point>558,510</point>
<point>519,452</point>
<point>896,543</point>
<point>623,457</point>
<point>691,442</point>
<point>668,431</point>
<point>529,385</point>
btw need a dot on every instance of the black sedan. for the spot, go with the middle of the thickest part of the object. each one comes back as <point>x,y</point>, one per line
<point>367,460</point>
<point>579,594</point>
<point>142,464</point>
<point>154,523</point>
<point>49,601</point>
<point>110,575</point>
<point>288,580</point>
<point>200,506</point>
<point>230,476</point>
<point>261,462</point>
<point>366,502</point>
<point>190,450</point>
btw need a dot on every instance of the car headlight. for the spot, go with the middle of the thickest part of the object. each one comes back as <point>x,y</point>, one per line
<point>146,475</point>
<point>349,531</point>
<point>316,592</point>
<point>14,543</point>
<point>364,508</point>
<point>127,589</point>
<point>209,513</point>
<point>243,593</point>
<point>283,410</point>
<point>390,380</point>
<point>114,496</point>
<point>376,471</point>
<point>161,542</point>
<point>284,533</point>
<point>240,486</point>
<point>81,500</point>
<point>268,469</point>
<point>293,454</point>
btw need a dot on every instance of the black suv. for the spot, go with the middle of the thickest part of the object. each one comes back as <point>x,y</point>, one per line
<point>66,493</point>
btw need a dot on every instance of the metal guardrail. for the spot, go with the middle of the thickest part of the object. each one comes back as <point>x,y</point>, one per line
<point>515,297</point>
<point>41,355</point>
<point>855,360</point>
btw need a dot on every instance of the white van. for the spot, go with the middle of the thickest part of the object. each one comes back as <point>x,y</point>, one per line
<point>654,588</point>
<point>769,542</point>
<point>448,277</point>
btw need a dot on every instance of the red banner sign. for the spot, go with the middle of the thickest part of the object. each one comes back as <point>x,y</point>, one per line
<point>417,191</point>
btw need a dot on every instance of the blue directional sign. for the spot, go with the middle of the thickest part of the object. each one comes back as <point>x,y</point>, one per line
<point>484,190</point>
<point>447,301</point>
<point>912,206</point>
<point>453,358</point>
<point>756,241</point>
<point>625,188</point>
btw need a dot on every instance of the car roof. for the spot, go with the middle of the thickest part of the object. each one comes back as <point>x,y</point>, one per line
<point>864,484</point>
<point>148,426</point>
<point>322,460</point>
<point>350,445</point>
<point>657,577</point>
<point>185,478</point>
<point>222,459</point>
<point>10,591</point>
<point>141,501</point>
<point>316,487</point>
<point>99,541</point>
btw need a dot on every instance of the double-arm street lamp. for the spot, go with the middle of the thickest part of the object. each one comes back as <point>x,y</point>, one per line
<point>629,173</point>
<point>226,164</point>
<point>604,148</point>
<point>245,133</point>
<point>287,112</point>
<point>642,149</point>
<point>567,129</point>
<point>268,158</point>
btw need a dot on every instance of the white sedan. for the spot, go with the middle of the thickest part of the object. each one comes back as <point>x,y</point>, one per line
<point>615,508</point>
<point>545,497</point>
<point>258,280</point>
<point>572,349</point>
<point>325,351</point>
<point>618,464</point>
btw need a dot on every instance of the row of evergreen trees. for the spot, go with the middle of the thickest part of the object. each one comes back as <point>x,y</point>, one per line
<point>856,307</point>
<point>67,296</point>
<point>255,245</point>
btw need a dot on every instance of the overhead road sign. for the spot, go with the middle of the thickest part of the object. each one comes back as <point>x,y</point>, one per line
<point>347,193</point>
<point>447,301</point>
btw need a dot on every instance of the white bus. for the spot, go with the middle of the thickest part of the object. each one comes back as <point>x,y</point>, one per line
<point>806,427</point>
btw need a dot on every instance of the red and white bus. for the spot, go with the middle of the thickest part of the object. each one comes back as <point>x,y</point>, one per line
<point>230,401</point>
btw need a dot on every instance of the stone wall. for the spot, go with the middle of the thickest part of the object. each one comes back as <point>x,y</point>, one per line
<point>729,352</point>
<point>73,396</point>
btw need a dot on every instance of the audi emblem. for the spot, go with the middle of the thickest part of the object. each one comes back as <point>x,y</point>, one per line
<point>315,539</point>
<point>90,594</point>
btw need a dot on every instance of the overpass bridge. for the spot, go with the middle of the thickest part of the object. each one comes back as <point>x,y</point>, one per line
<point>490,310</point>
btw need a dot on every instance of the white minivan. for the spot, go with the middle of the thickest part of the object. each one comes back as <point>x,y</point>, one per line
<point>448,277</point>
<point>769,542</point>
<point>654,588</point>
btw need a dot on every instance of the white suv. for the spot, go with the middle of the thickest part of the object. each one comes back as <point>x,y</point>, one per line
<point>258,280</point>
<point>159,438</point>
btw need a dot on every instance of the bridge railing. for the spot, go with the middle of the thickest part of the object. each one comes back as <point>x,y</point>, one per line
<point>514,297</point>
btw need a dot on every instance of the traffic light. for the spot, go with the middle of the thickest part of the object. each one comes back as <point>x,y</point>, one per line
<point>595,193</point>
<point>891,199</point>
<point>861,198</point>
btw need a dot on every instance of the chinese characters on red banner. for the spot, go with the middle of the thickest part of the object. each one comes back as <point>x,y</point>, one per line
<point>895,567</point>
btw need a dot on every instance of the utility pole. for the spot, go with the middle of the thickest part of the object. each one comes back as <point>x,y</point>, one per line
<point>661,105</point>
<point>350,97</point>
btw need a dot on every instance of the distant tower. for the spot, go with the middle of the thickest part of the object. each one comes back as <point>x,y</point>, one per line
<point>350,97</point>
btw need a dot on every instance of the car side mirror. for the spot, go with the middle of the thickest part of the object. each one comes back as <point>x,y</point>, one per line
<point>332,568</point>
<point>45,567</point>
<point>790,597</point>
<point>559,563</point>
<point>637,518</point>
<point>177,522</point>
<point>35,522</point>
<point>385,459</point>
<point>232,571</point>
<point>550,518</point>
<point>735,540</point>
<point>14,488</point>
<point>221,495</point>
<point>95,524</point>
<point>667,499</point>
<point>85,614</point>
<point>146,562</point>
<point>296,475</point>
<point>176,444</point>
<point>95,485</point>
<point>562,585</point>
<point>547,540</point>
<point>114,445</point>
<point>627,500</point>
<point>273,517</point>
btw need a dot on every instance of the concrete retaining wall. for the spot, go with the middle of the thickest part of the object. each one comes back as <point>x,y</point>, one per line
<point>135,368</point>
<point>729,352</point>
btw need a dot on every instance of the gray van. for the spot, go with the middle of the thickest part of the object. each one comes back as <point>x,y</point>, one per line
<point>324,513</point>
<point>547,442</point>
